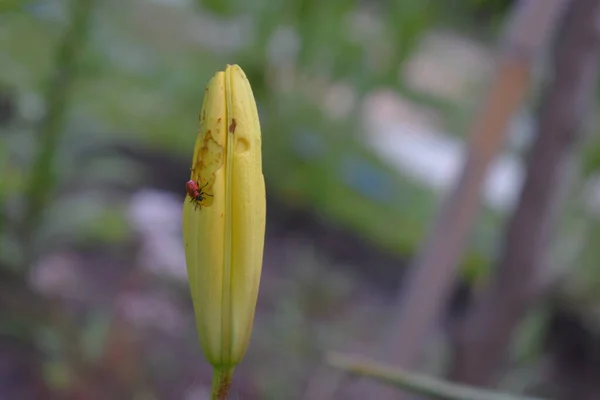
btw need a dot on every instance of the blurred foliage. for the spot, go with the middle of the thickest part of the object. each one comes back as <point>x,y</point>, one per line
<point>141,81</point>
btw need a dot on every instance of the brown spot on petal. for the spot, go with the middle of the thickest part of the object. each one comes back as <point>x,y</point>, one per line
<point>232,126</point>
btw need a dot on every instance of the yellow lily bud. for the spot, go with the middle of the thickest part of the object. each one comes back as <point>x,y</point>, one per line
<point>224,218</point>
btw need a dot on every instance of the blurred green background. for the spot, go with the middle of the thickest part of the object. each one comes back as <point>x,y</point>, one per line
<point>98,118</point>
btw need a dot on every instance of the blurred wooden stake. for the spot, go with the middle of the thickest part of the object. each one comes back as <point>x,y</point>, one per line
<point>431,278</point>
<point>482,343</point>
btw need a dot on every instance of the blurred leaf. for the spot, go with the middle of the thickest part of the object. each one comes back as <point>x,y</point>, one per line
<point>7,6</point>
<point>95,335</point>
<point>415,383</point>
<point>57,374</point>
<point>530,336</point>
<point>219,7</point>
<point>85,218</point>
<point>591,156</point>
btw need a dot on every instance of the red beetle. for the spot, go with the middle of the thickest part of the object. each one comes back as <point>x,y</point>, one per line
<point>195,192</point>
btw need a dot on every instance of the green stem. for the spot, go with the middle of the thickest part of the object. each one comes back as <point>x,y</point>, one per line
<point>415,383</point>
<point>56,98</point>
<point>221,383</point>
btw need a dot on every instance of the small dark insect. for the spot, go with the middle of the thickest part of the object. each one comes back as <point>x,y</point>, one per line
<point>195,192</point>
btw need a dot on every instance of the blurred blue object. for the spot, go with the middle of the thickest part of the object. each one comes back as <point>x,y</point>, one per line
<point>368,179</point>
<point>307,144</point>
<point>46,10</point>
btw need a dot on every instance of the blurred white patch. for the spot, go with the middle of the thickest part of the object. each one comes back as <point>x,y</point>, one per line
<point>282,52</point>
<point>448,66</point>
<point>220,35</point>
<point>364,27</point>
<point>189,24</point>
<point>521,131</point>
<point>58,274</point>
<point>592,194</point>
<point>283,47</point>
<point>197,392</point>
<point>30,105</point>
<point>156,217</point>
<point>148,311</point>
<point>384,107</point>
<point>339,101</point>
<point>408,137</point>
<point>176,3</point>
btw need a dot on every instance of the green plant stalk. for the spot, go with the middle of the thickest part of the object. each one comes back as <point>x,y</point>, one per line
<point>42,179</point>
<point>3,178</point>
<point>415,383</point>
<point>221,383</point>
